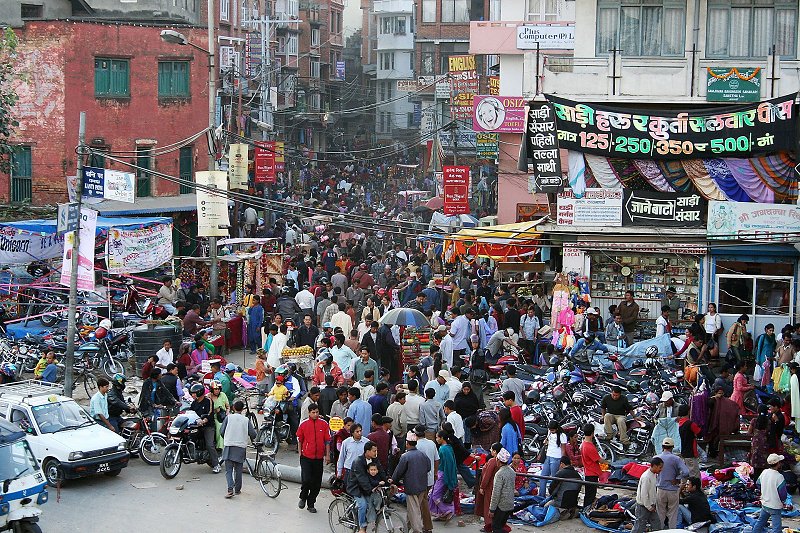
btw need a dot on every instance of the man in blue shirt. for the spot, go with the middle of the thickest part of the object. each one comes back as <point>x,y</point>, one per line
<point>669,482</point>
<point>50,372</point>
<point>98,405</point>
<point>440,386</point>
<point>359,410</point>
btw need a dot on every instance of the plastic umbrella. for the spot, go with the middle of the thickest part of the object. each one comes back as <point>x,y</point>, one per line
<point>437,202</point>
<point>405,317</point>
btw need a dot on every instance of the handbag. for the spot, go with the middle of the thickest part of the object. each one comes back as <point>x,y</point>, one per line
<point>448,495</point>
<point>221,414</point>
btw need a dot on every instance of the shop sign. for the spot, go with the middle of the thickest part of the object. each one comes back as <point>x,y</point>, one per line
<point>104,184</point>
<point>650,248</point>
<point>463,86</point>
<point>733,84</point>
<point>22,247</point>
<point>237,166</point>
<point>739,131</point>
<point>573,259</point>
<point>494,85</point>
<point>503,114</point>
<point>85,274</point>
<point>407,86</point>
<point>463,141</point>
<point>264,165</point>
<point>138,250</point>
<point>753,221</point>
<point>456,182</point>
<point>542,149</point>
<point>597,207</point>
<point>488,145</point>
<point>646,208</point>
<point>212,207</point>
<point>340,70</point>
<point>547,36</point>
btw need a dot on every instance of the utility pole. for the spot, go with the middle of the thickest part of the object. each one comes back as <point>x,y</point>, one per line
<point>213,269</point>
<point>69,378</point>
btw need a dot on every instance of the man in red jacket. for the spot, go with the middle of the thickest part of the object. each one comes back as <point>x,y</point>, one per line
<point>314,437</point>
<point>509,400</point>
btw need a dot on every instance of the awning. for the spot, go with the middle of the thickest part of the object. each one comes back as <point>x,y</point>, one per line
<point>149,205</point>
<point>507,241</point>
<point>103,224</point>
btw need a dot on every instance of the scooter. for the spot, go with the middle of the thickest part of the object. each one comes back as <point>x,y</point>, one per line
<point>187,445</point>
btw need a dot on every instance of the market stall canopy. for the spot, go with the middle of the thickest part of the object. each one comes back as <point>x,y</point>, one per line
<point>444,224</point>
<point>405,317</point>
<point>517,241</point>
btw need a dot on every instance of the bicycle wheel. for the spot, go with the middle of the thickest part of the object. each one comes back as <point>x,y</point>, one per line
<point>152,448</point>
<point>268,476</point>
<point>89,384</point>
<point>267,436</point>
<point>340,517</point>
<point>251,416</point>
<point>391,521</point>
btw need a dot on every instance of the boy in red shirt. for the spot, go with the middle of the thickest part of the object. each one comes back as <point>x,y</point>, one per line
<point>509,400</point>
<point>591,464</point>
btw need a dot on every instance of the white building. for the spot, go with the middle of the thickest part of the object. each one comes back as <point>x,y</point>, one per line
<point>394,57</point>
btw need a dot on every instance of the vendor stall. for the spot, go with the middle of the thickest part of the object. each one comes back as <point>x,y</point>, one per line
<point>502,243</point>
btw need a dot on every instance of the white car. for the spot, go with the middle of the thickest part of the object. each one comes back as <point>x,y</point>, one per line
<point>65,440</point>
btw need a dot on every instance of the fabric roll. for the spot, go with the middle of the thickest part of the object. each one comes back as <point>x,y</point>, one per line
<point>577,173</point>
<point>777,172</point>
<point>602,171</point>
<point>701,179</point>
<point>725,180</point>
<point>675,175</point>
<point>629,174</point>
<point>652,173</point>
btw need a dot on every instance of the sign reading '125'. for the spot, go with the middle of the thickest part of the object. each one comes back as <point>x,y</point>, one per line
<point>456,185</point>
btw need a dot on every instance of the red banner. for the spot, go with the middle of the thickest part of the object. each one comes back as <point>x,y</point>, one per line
<point>456,183</point>
<point>264,162</point>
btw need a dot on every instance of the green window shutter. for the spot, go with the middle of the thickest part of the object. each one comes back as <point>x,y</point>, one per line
<point>119,78</point>
<point>181,75</point>
<point>101,77</point>
<point>164,75</point>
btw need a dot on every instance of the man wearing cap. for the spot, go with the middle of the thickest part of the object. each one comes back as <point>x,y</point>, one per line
<point>431,297</point>
<point>773,494</point>
<point>413,469</point>
<point>666,406</point>
<point>440,387</point>
<point>501,504</point>
<point>672,303</point>
<point>669,482</point>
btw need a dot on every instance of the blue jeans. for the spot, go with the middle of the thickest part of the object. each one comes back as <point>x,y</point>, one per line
<point>549,468</point>
<point>764,516</point>
<point>367,509</point>
<point>581,343</point>
<point>467,474</point>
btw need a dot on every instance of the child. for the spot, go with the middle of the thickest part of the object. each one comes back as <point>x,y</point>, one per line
<point>277,396</point>
<point>522,486</point>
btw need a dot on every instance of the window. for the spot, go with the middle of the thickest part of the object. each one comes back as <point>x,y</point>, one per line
<point>173,79</point>
<point>409,120</point>
<point>336,22</point>
<point>494,10</point>
<point>428,59</point>
<point>385,90</point>
<point>314,102</point>
<point>143,160</point>
<point>428,10</point>
<point>281,44</point>
<point>400,25</point>
<point>412,60</point>
<point>542,10</point>
<point>111,78</point>
<point>314,36</point>
<point>455,11</point>
<point>384,122</point>
<point>749,28</point>
<point>387,24</point>
<point>641,27</point>
<point>186,168</point>
<point>21,170</point>
<point>291,45</point>
<point>224,10</point>
<point>314,68</point>
<point>31,11</point>
<point>386,60</point>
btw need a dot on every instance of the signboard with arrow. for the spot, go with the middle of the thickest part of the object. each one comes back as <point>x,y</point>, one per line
<point>647,208</point>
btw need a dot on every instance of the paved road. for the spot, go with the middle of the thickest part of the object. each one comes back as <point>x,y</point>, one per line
<point>115,505</point>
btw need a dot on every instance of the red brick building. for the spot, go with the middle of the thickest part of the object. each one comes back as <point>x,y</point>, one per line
<point>139,94</point>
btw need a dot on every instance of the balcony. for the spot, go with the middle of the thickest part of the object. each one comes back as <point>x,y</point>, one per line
<point>653,78</point>
<point>336,39</point>
<point>399,7</point>
<point>500,37</point>
<point>395,41</point>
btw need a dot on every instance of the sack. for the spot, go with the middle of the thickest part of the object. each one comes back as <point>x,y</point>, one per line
<point>448,496</point>
<point>221,414</point>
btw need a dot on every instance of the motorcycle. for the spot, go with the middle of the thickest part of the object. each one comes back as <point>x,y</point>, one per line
<point>108,354</point>
<point>187,445</point>
<point>153,309</point>
<point>150,445</point>
<point>273,430</point>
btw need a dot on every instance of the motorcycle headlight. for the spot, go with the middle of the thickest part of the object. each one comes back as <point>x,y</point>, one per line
<point>23,349</point>
<point>122,446</point>
<point>75,456</point>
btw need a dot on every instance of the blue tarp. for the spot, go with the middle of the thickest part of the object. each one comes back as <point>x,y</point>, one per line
<point>103,224</point>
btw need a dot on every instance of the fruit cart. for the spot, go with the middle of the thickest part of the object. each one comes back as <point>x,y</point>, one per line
<point>302,356</point>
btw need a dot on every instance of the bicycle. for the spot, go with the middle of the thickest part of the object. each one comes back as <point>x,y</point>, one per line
<point>266,472</point>
<point>80,372</point>
<point>343,514</point>
<point>244,396</point>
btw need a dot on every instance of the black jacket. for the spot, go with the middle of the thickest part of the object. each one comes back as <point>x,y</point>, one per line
<point>358,482</point>
<point>162,397</point>
<point>697,502</point>
<point>466,404</point>
<point>306,336</point>
<point>287,307</point>
<point>116,402</point>
<point>170,382</point>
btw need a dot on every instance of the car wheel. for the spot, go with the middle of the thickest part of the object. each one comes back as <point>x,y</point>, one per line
<point>53,472</point>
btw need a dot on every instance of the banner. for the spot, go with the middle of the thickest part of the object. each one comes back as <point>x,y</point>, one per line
<point>547,36</point>
<point>237,166</point>
<point>597,207</point>
<point>463,86</point>
<point>18,247</point>
<point>85,252</point>
<point>280,155</point>
<point>264,164</point>
<point>733,84</point>
<point>542,148</point>
<point>503,114</point>
<point>138,250</point>
<point>646,208</point>
<point>120,186</point>
<point>212,208</point>
<point>494,85</point>
<point>488,145</point>
<point>93,182</point>
<point>736,131</point>
<point>456,182</point>
<point>749,220</point>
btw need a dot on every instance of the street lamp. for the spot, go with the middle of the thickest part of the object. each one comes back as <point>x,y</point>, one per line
<point>174,37</point>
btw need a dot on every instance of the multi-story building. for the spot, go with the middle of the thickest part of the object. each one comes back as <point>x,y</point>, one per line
<point>393,21</point>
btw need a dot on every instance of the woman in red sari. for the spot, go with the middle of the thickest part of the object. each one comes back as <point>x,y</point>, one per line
<point>484,496</point>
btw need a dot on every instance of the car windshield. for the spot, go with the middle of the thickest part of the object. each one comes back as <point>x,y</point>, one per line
<point>59,416</point>
<point>16,460</point>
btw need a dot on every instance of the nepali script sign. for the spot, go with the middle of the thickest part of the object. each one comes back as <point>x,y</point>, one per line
<point>542,148</point>
<point>647,208</point>
<point>597,207</point>
<point>138,250</point>
<point>739,131</point>
<point>753,221</point>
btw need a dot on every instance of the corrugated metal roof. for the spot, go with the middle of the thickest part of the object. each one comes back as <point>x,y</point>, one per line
<point>149,205</point>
